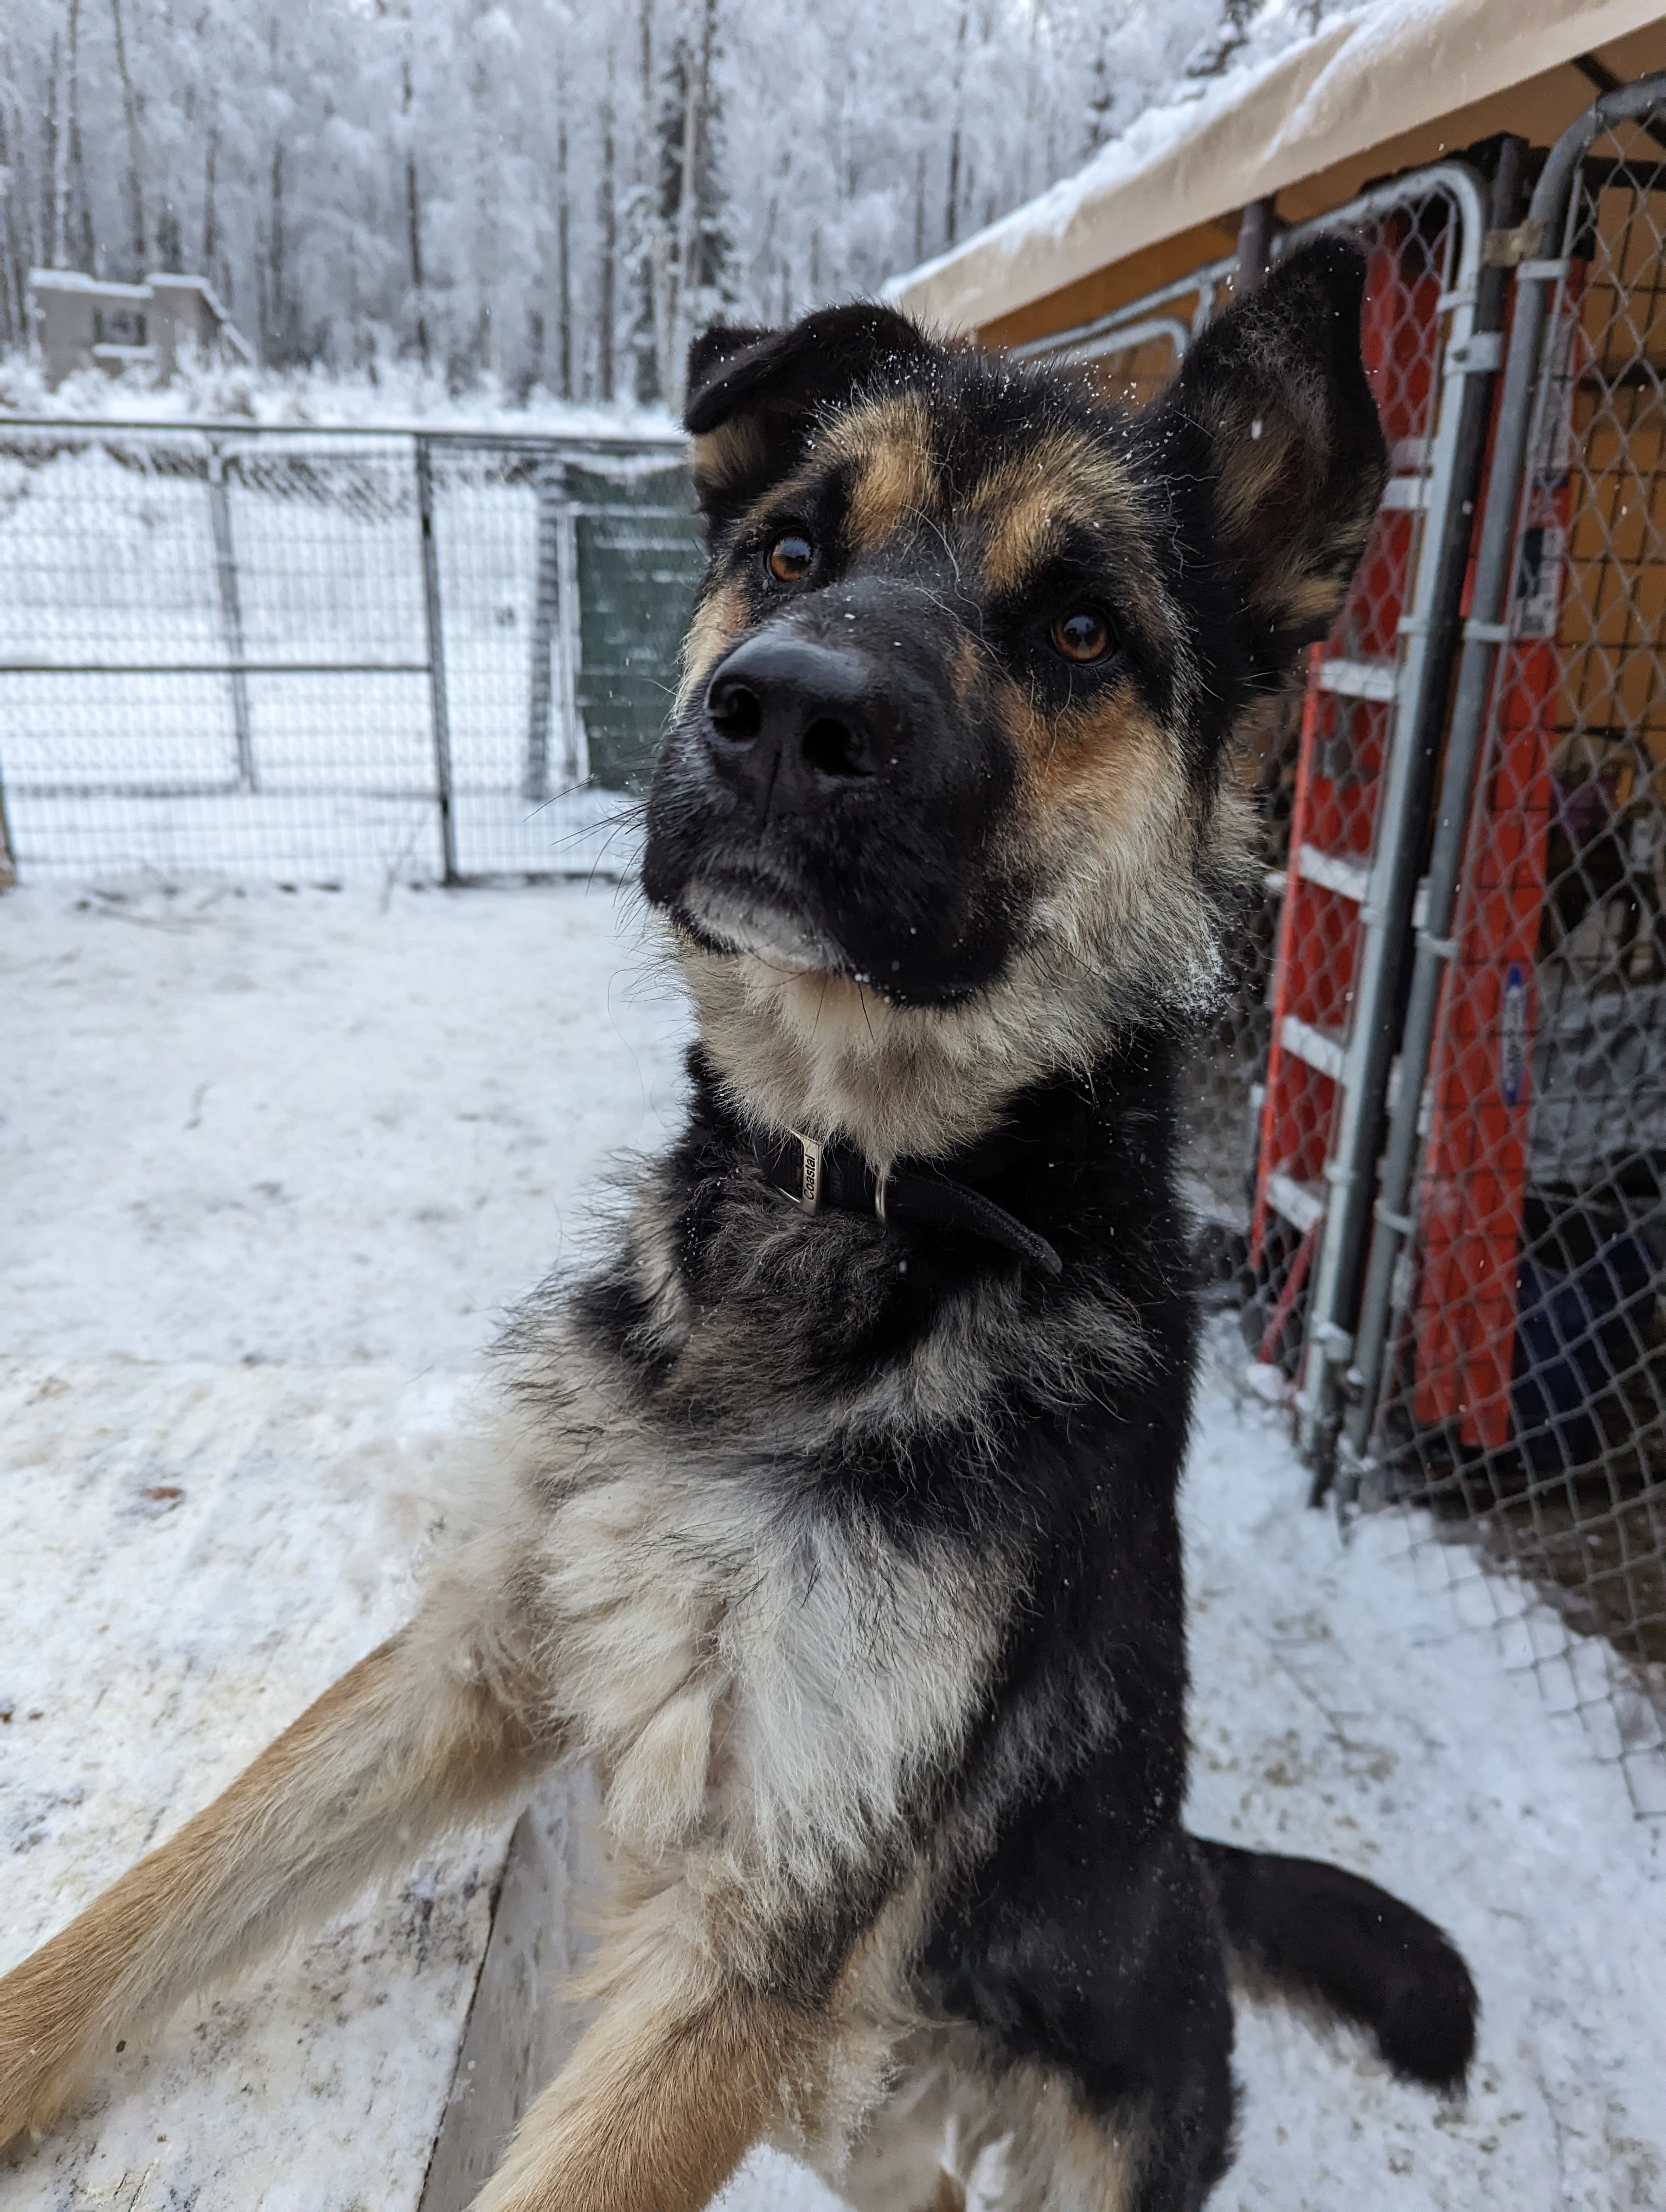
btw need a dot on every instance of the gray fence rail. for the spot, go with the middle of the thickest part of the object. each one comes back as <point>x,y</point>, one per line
<point>315,654</point>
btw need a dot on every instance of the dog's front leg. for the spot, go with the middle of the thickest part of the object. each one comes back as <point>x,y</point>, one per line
<point>418,1736</point>
<point>662,2100</point>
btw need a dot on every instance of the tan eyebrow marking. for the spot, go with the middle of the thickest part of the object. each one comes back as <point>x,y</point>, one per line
<point>1064,482</point>
<point>887,445</point>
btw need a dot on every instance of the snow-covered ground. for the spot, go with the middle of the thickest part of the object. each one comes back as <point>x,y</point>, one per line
<point>260,1127</point>
<point>271,1164</point>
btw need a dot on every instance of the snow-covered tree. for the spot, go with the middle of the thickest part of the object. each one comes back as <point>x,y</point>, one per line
<point>557,191</point>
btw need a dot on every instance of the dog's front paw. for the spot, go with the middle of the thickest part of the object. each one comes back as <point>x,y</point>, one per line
<point>50,2027</point>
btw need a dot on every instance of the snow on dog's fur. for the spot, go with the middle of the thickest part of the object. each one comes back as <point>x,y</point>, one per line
<point>837,1530</point>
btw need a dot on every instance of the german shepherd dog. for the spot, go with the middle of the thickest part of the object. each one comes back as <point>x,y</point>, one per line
<point>834,1519</point>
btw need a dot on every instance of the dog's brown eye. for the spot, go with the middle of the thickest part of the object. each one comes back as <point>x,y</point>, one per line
<point>790,557</point>
<point>1082,635</point>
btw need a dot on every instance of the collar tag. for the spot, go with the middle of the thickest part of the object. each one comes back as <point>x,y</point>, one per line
<point>810,1183</point>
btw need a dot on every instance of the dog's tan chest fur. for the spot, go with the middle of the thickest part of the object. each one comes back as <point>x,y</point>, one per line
<point>773,1697</point>
<point>765,1687</point>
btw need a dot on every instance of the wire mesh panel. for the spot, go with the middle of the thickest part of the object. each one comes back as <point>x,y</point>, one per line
<point>1266,1092</point>
<point>1129,354</point>
<point>106,562</point>
<point>1527,1400</point>
<point>1359,697</point>
<point>566,584</point>
<point>319,592</point>
<point>308,654</point>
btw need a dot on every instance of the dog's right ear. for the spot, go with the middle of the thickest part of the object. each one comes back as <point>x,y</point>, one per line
<point>1270,435</point>
<point>754,396</point>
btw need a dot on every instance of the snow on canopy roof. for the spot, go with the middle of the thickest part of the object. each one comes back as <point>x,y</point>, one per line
<point>1229,140</point>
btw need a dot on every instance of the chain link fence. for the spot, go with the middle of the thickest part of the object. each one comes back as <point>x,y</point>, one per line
<point>1524,1402</point>
<point>1429,1128</point>
<point>1270,1086</point>
<point>1362,755</point>
<point>310,654</point>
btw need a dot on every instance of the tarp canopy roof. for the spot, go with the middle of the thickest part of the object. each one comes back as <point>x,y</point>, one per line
<point>1357,84</point>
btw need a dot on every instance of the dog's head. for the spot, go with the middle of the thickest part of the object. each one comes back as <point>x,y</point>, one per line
<point>941,809</point>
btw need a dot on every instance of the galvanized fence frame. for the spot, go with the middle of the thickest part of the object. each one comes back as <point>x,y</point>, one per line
<point>1415,686</point>
<point>1538,286</point>
<point>554,761</point>
<point>1352,1312</point>
<point>1149,318</point>
<point>1470,358</point>
<point>1508,1379</point>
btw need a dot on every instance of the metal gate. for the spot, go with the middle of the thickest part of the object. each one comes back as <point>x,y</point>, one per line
<point>1509,1373</point>
<point>311,653</point>
<point>1431,1128</point>
<point>1287,1089</point>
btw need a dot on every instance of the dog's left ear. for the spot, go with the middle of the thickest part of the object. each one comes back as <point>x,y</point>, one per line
<point>1270,439</point>
<point>754,395</point>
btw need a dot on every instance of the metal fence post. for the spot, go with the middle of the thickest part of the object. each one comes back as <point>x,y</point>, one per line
<point>439,706</point>
<point>552,691</point>
<point>1484,633</point>
<point>231,613</point>
<point>1255,229</point>
<point>1396,850</point>
<point>575,755</point>
<point>7,852</point>
<point>546,602</point>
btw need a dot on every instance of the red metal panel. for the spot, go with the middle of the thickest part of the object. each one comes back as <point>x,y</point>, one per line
<point>1343,744</point>
<point>1475,1157</point>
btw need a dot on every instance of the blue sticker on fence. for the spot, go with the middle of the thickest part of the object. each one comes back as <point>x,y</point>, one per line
<point>1512,1036</point>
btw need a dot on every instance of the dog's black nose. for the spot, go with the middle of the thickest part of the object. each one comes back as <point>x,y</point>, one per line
<point>790,722</point>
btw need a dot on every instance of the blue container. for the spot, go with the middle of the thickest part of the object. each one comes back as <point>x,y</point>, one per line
<point>1580,1327</point>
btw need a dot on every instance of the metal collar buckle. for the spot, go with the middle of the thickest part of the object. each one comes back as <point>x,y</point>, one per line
<point>810,1175</point>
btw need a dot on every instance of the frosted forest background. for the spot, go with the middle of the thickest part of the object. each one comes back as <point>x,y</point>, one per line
<point>549,194</point>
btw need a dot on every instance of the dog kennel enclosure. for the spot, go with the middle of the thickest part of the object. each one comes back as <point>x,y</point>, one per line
<point>1430,1129</point>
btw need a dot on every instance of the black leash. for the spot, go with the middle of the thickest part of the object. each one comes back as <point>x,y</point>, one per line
<point>836,1178</point>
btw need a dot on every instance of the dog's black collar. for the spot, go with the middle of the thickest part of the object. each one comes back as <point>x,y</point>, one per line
<point>836,1176</point>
